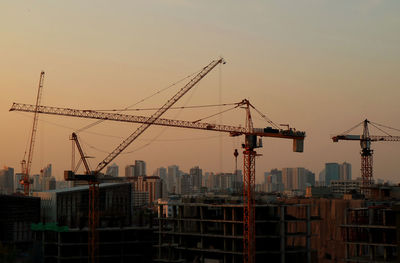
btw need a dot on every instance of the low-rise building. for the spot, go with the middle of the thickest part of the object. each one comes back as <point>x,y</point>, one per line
<point>345,186</point>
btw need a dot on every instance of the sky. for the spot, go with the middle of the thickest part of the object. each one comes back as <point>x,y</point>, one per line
<point>321,66</point>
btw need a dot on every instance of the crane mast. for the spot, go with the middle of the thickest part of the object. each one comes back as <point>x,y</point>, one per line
<point>26,165</point>
<point>249,181</point>
<point>366,159</point>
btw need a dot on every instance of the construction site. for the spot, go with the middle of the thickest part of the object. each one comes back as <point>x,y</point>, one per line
<point>113,219</point>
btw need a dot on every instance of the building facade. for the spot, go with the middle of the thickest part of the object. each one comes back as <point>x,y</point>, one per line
<point>297,178</point>
<point>345,171</point>
<point>196,175</point>
<point>345,186</point>
<point>172,178</point>
<point>332,172</point>
<point>140,168</point>
<point>129,170</point>
<point>7,180</point>
<point>151,185</point>
<point>113,170</point>
<point>69,207</point>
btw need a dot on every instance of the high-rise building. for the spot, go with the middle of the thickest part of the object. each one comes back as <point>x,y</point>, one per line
<point>273,181</point>
<point>310,180</point>
<point>304,178</point>
<point>185,184</point>
<point>112,170</point>
<point>207,180</point>
<point>238,181</point>
<point>266,177</point>
<point>216,181</point>
<point>322,175</point>
<point>161,172</point>
<point>7,180</point>
<point>227,181</point>
<point>129,170</point>
<point>36,187</point>
<point>172,178</point>
<point>345,171</point>
<point>20,187</point>
<point>152,185</point>
<point>140,168</point>
<point>287,178</point>
<point>196,175</point>
<point>332,172</point>
<point>212,181</point>
<point>47,171</point>
<point>47,181</point>
<point>297,178</point>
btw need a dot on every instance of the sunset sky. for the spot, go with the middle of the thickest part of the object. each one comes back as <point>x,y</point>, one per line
<point>321,66</point>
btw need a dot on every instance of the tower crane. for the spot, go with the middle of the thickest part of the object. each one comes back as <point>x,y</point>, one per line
<point>366,152</point>
<point>249,147</point>
<point>27,164</point>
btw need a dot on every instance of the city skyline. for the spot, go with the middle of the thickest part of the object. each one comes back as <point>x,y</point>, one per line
<point>320,66</point>
<point>344,172</point>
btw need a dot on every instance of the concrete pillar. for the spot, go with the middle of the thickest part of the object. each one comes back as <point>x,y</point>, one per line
<point>233,234</point>
<point>224,227</point>
<point>201,232</point>
<point>180,215</point>
<point>371,220</point>
<point>58,247</point>
<point>160,215</point>
<point>346,252</point>
<point>43,243</point>
<point>308,207</point>
<point>282,233</point>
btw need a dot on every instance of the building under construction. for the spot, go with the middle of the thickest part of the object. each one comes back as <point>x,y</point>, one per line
<point>124,234</point>
<point>127,244</point>
<point>17,213</point>
<point>69,207</point>
<point>371,233</point>
<point>211,230</point>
